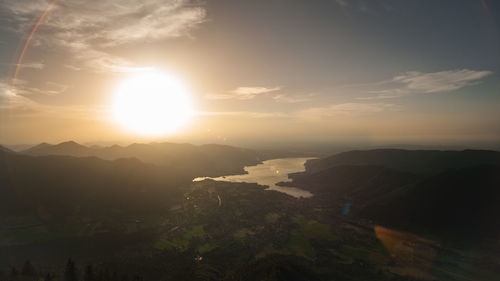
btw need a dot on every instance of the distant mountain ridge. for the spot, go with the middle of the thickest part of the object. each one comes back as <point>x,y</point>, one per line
<point>62,185</point>
<point>69,148</point>
<point>5,149</point>
<point>203,160</point>
<point>462,202</point>
<point>454,195</point>
<point>413,161</point>
<point>353,183</point>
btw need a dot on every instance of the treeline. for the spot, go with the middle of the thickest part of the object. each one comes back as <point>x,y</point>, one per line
<point>71,272</point>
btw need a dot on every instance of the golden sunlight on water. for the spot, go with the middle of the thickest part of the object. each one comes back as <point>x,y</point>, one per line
<point>270,173</point>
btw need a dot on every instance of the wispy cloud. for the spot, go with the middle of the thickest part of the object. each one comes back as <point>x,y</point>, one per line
<point>16,103</point>
<point>251,92</point>
<point>316,113</point>
<point>88,29</point>
<point>54,88</point>
<point>31,65</point>
<point>243,93</point>
<point>292,98</point>
<point>10,99</point>
<point>342,3</point>
<point>414,82</point>
<point>365,6</point>
<point>443,81</point>
<point>347,109</point>
<point>248,114</point>
<point>23,88</point>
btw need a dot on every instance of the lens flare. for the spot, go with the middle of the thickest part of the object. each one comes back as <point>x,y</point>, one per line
<point>33,31</point>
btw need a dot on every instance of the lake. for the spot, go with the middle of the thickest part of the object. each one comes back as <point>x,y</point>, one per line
<point>270,173</point>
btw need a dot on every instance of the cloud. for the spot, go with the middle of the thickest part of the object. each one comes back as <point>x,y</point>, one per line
<point>347,109</point>
<point>372,7</point>
<point>443,81</point>
<point>54,88</point>
<point>414,82</point>
<point>72,67</point>
<point>32,65</point>
<point>22,88</point>
<point>249,114</point>
<point>17,102</point>
<point>292,99</point>
<point>386,94</point>
<point>13,101</point>
<point>316,113</point>
<point>10,99</point>
<point>342,3</point>
<point>251,92</point>
<point>88,29</point>
<point>243,93</point>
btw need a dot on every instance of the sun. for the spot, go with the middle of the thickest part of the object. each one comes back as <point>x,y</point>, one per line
<point>152,103</point>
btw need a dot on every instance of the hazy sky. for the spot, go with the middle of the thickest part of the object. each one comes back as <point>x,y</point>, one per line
<point>365,70</point>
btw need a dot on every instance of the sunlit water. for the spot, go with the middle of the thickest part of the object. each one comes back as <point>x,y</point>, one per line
<point>269,173</point>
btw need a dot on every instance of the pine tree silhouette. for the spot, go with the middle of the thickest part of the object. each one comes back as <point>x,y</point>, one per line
<point>28,269</point>
<point>89,274</point>
<point>13,273</point>
<point>70,271</point>
<point>48,277</point>
<point>100,275</point>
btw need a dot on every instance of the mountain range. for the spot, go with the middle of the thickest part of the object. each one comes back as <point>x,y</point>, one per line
<point>452,194</point>
<point>444,193</point>
<point>59,180</point>
<point>56,187</point>
<point>413,161</point>
<point>203,160</point>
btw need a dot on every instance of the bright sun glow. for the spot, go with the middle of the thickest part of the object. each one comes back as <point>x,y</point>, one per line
<point>152,104</point>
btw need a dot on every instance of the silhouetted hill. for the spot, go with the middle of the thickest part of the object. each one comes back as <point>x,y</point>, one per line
<point>413,161</point>
<point>353,184</point>
<point>39,148</point>
<point>462,203</point>
<point>205,160</point>
<point>141,218</point>
<point>60,186</point>
<point>5,149</point>
<point>457,204</point>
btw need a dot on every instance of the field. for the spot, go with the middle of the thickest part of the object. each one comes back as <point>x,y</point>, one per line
<point>240,224</point>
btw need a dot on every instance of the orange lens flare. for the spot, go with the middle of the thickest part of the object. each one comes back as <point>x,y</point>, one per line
<point>413,255</point>
<point>21,56</point>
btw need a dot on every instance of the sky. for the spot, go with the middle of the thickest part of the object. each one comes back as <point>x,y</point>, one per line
<point>378,71</point>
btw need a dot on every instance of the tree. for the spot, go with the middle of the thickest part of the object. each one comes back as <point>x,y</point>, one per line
<point>100,275</point>
<point>13,273</point>
<point>48,277</point>
<point>28,269</point>
<point>114,277</point>
<point>89,274</point>
<point>70,271</point>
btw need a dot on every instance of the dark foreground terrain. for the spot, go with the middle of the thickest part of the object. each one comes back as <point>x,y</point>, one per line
<point>376,215</point>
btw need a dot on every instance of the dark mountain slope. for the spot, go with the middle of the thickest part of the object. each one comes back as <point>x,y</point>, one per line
<point>354,184</point>
<point>413,161</point>
<point>461,203</point>
<point>206,160</point>
<point>69,148</point>
<point>63,185</point>
<point>5,149</point>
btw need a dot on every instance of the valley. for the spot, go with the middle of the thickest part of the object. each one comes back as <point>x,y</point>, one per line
<point>166,227</point>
